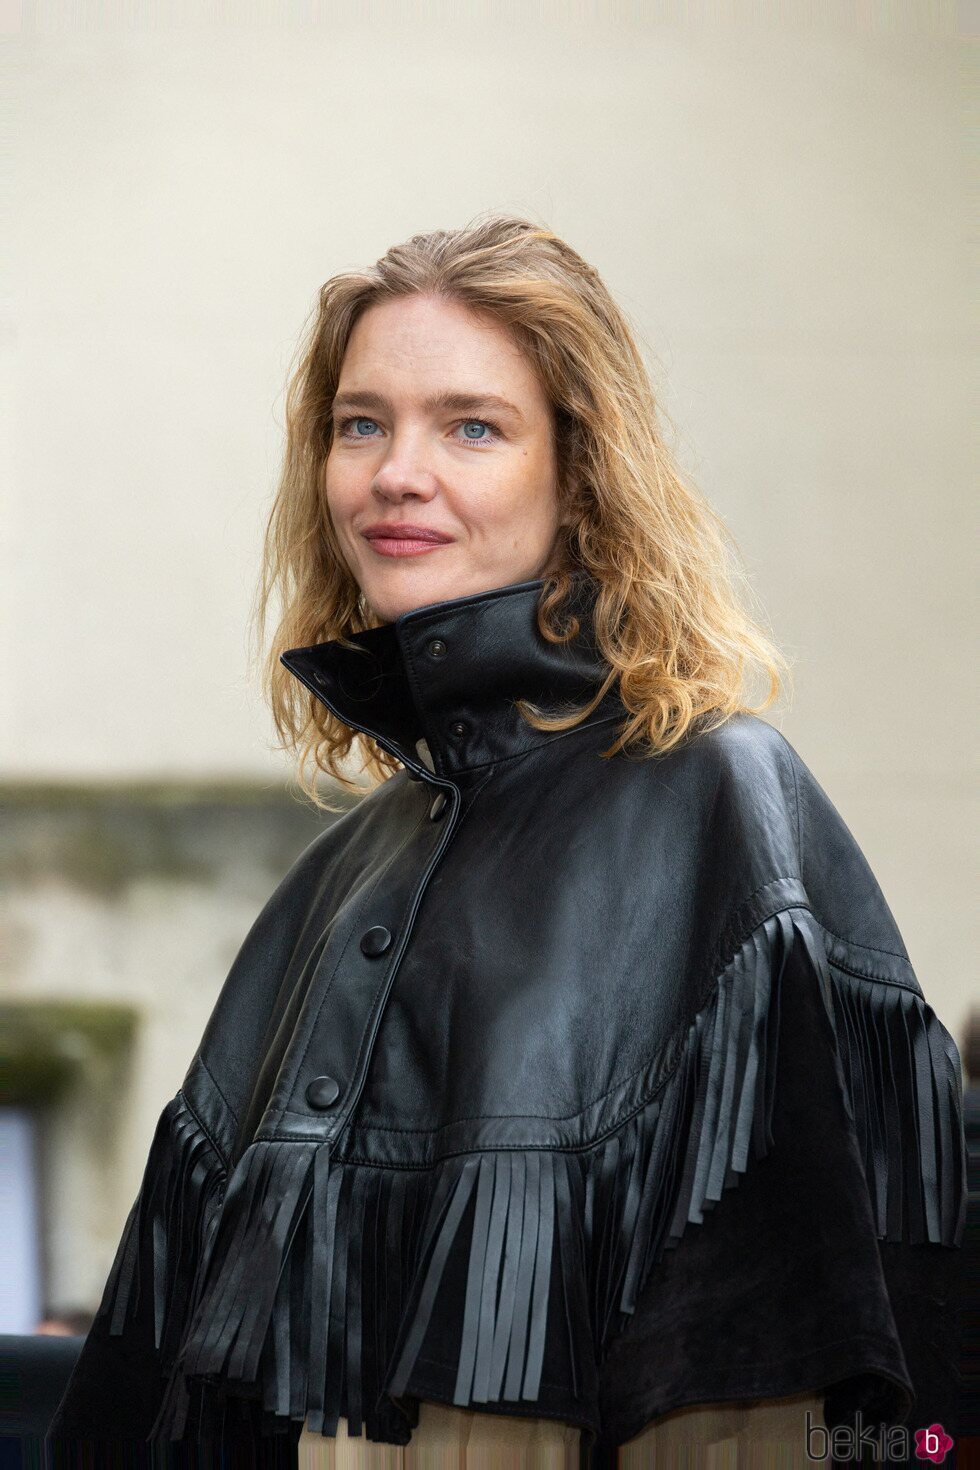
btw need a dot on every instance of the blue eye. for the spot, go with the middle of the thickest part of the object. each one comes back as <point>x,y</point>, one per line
<point>490,438</point>
<point>345,425</point>
<point>352,428</point>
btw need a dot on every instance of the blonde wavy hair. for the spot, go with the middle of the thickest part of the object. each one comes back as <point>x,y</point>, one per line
<point>671,615</point>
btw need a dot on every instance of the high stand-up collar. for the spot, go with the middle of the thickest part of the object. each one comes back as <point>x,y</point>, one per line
<point>448,674</point>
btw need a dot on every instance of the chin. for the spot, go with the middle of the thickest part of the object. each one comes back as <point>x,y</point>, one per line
<point>389,597</point>
<point>403,592</point>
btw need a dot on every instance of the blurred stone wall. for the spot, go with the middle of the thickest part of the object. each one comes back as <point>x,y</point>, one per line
<point>138,894</point>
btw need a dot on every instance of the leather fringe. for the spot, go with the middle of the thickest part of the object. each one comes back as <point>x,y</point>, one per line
<point>318,1279</point>
<point>170,1221</point>
<point>904,1093</point>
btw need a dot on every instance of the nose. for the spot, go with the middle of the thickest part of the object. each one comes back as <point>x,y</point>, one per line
<point>405,469</point>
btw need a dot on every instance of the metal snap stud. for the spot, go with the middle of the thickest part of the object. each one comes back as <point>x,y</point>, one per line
<point>376,940</point>
<point>323,1092</point>
<point>459,728</point>
<point>437,648</point>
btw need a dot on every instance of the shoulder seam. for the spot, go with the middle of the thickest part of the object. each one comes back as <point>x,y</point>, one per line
<point>222,1155</point>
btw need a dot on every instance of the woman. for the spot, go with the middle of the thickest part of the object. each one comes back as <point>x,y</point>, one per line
<point>573,1091</point>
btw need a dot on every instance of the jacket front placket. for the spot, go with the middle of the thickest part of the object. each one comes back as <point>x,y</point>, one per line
<point>326,1064</point>
<point>289,1179</point>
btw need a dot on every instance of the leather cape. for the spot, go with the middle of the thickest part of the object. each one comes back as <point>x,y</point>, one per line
<point>502,1035</point>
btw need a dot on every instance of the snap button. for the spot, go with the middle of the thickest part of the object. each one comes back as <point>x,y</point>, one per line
<point>438,806</point>
<point>323,1092</point>
<point>458,728</point>
<point>436,649</point>
<point>376,940</point>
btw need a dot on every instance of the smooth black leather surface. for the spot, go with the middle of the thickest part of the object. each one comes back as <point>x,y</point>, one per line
<point>602,979</point>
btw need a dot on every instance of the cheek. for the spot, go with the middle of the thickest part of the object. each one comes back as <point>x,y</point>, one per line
<point>532,489</point>
<point>339,489</point>
<point>522,494</point>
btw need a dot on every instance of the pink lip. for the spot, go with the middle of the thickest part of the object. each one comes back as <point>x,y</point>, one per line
<point>399,539</point>
<point>402,545</point>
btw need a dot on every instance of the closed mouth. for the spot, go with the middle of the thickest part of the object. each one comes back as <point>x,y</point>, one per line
<point>400,534</point>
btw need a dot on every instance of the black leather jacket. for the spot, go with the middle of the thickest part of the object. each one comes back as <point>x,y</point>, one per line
<point>507,1047</point>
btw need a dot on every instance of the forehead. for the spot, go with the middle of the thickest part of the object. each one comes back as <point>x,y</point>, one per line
<point>421,340</point>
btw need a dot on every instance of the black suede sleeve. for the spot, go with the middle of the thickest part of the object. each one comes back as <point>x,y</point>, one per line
<point>785,1288</point>
<point>117,1384</point>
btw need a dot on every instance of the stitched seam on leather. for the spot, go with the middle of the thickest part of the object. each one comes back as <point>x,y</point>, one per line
<point>727,948</point>
<point>551,736</point>
<point>222,1157</point>
<point>703,1000</point>
<point>707,996</point>
<point>796,792</point>
<point>874,948</point>
<point>600,1097</point>
<point>521,755</point>
<point>475,1118</point>
<point>214,1083</point>
<point>552,1118</point>
<point>876,979</point>
<point>770,883</point>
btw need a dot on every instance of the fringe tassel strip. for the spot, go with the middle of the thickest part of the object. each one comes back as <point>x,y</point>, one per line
<point>317,1281</point>
<point>903,1084</point>
<point>170,1223</point>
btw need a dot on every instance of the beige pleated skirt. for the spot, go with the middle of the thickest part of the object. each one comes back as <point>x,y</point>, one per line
<point>767,1434</point>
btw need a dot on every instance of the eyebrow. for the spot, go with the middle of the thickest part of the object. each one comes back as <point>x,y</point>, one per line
<point>453,402</point>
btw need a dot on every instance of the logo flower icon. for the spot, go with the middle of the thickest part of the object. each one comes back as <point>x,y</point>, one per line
<point>932,1444</point>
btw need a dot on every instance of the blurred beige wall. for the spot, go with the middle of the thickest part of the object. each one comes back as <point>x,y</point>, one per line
<point>781,211</point>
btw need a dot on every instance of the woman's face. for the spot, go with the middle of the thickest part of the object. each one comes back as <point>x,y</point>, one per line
<point>440,427</point>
